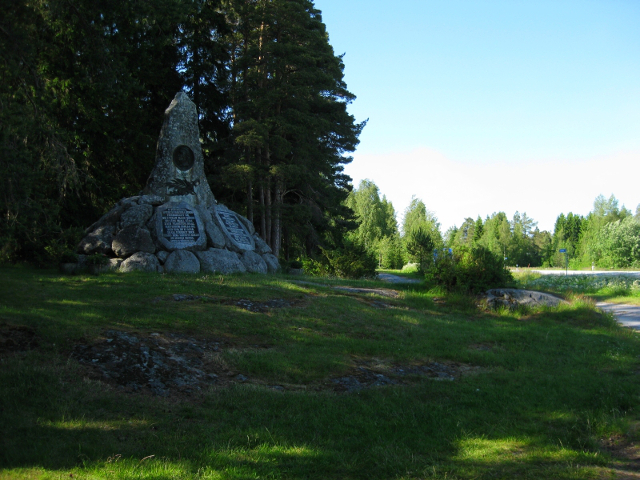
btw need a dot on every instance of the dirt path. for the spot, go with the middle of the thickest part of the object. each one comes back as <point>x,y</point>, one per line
<point>388,277</point>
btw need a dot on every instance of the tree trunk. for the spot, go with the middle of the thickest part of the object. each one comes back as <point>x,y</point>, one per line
<point>250,200</point>
<point>267,214</point>
<point>263,223</point>
<point>268,201</point>
<point>276,233</point>
<point>286,243</point>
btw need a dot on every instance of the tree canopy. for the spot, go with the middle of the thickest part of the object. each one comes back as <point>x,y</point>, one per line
<point>85,84</point>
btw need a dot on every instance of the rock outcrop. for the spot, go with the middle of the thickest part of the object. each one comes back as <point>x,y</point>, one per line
<point>512,297</point>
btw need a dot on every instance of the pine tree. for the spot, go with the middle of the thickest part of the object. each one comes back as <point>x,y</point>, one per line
<point>204,70</point>
<point>290,122</point>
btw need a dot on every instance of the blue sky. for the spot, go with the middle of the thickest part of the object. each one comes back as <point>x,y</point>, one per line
<point>484,106</point>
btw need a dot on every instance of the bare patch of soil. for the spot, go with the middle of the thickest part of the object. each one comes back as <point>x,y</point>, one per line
<point>16,338</point>
<point>626,456</point>
<point>482,347</point>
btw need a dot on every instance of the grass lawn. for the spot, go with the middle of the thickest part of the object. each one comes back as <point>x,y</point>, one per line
<point>311,381</point>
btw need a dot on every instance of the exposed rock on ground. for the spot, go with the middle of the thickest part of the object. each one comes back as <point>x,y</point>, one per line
<point>175,364</point>
<point>263,307</point>
<point>378,373</point>
<point>140,261</point>
<point>513,297</point>
<point>385,292</point>
<point>159,363</point>
<point>250,305</point>
<point>181,261</point>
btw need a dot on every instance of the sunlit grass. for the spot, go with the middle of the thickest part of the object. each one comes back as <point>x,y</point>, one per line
<point>498,450</point>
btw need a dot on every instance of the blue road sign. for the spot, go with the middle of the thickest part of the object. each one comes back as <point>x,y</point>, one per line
<point>563,250</point>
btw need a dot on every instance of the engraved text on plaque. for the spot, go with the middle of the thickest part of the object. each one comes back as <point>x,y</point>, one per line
<point>236,230</point>
<point>179,227</point>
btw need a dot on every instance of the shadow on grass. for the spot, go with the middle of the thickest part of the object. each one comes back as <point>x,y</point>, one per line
<point>552,383</point>
<point>429,430</point>
<point>465,430</point>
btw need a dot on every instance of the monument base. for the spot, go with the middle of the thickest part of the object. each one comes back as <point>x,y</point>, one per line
<point>141,234</point>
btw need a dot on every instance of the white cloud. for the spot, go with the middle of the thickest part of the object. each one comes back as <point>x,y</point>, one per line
<point>543,189</point>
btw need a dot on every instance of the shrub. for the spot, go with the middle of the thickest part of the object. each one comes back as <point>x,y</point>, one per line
<point>314,267</point>
<point>470,270</point>
<point>297,264</point>
<point>288,265</point>
<point>443,273</point>
<point>97,259</point>
<point>349,261</point>
<point>61,249</point>
<point>68,256</point>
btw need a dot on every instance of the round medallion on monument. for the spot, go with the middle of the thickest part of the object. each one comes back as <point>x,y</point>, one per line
<point>183,157</point>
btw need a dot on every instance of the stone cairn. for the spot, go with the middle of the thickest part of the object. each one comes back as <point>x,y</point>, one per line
<point>175,225</point>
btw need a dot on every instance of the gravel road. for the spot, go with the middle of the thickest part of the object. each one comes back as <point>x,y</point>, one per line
<point>626,315</point>
<point>585,272</point>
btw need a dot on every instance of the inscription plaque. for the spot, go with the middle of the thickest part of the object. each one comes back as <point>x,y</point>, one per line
<point>179,227</point>
<point>235,229</point>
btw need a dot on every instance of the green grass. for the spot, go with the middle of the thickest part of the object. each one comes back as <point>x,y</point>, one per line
<point>549,384</point>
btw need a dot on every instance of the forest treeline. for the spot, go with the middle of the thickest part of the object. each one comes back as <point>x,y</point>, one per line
<point>84,85</point>
<point>608,237</point>
<point>83,88</point>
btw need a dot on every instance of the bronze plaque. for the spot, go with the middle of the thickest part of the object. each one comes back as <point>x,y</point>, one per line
<point>183,157</point>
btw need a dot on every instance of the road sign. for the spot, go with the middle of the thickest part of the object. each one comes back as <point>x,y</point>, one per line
<point>563,250</point>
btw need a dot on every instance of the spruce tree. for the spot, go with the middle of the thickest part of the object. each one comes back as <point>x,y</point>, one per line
<point>84,87</point>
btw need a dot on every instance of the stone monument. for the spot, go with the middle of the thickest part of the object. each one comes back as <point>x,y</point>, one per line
<point>175,224</point>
